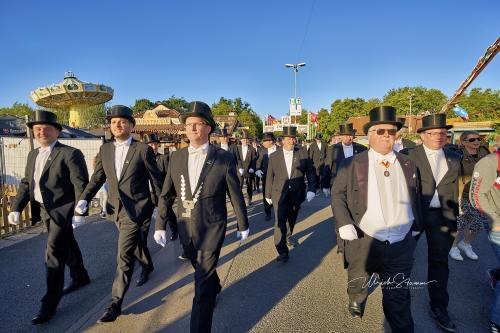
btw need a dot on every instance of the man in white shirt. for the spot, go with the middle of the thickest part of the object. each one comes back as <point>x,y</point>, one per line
<point>439,173</point>
<point>224,139</point>
<point>268,147</point>
<point>401,141</point>
<point>375,204</point>
<point>199,177</point>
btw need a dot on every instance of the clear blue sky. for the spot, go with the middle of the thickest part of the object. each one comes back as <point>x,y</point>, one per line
<point>201,50</point>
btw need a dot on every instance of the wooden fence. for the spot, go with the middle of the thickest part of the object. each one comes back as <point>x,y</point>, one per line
<point>7,195</point>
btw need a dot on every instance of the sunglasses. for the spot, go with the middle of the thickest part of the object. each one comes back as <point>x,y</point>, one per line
<point>382,131</point>
<point>473,139</point>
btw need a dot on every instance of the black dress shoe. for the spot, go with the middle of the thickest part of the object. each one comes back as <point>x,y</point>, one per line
<point>74,285</point>
<point>144,277</point>
<point>43,316</point>
<point>443,320</point>
<point>174,235</point>
<point>282,257</point>
<point>357,309</point>
<point>110,315</point>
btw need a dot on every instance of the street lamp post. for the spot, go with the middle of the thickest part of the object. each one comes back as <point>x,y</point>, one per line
<point>295,71</point>
<point>409,123</point>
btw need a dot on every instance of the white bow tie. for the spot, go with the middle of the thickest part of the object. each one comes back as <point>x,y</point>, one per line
<point>198,150</point>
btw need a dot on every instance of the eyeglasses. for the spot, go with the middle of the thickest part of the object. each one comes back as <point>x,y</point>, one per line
<point>435,134</point>
<point>382,131</point>
<point>473,139</point>
<point>193,125</point>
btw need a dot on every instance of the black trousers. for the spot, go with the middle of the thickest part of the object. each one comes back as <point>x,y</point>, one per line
<point>206,287</point>
<point>257,183</point>
<point>130,247</point>
<point>62,249</point>
<point>249,182</point>
<point>172,218</point>
<point>267,207</point>
<point>142,252</point>
<point>440,236</point>
<point>285,218</point>
<point>392,262</point>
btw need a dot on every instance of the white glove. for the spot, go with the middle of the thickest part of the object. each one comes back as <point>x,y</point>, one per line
<point>250,170</point>
<point>415,233</point>
<point>269,201</point>
<point>348,232</point>
<point>241,171</point>
<point>81,207</point>
<point>310,196</point>
<point>77,221</point>
<point>326,192</point>
<point>244,234</point>
<point>259,173</point>
<point>14,218</point>
<point>160,237</point>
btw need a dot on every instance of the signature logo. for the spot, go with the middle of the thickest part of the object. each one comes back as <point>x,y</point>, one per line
<point>398,281</point>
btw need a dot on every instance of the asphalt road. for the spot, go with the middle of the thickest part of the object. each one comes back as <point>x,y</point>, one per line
<point>307,294</point>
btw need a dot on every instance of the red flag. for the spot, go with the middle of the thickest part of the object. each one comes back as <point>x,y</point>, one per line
<point>271,120</point>
<point>314,117</point>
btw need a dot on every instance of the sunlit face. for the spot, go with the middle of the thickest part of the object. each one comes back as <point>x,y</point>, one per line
<point>474,144</point>
<point>434,138</point>
<point>381,138</point>
<point>347,139</point>
<point>45,134</point>
<point>224,140</point>
<point>121,128</point>
<point>154,145</point>
<point>267,144</point>
<point>289,142</point>
<point>197,131</point>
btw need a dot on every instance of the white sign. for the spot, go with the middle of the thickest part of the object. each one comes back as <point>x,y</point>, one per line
<point>295,106</point>
<point>269,128</point>
<point>286,120</point>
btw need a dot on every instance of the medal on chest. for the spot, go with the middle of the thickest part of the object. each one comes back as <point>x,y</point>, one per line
<point>188,205</point>
<point>386,165</point>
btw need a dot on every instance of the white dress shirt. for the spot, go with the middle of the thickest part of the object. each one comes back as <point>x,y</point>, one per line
<point>319,145</point>
<point>224,146</point>
<point>41,160</point>
<point>196,159</point>
<point>244,150</point>
<point>288,154</point>
<point>439,167</point>
<point>388,215</point>
<point>348,150</point>
<point>271,149</point>
<point>121,150</point>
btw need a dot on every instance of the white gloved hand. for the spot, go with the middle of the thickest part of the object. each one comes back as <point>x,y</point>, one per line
<point>14,218</point>
<point>241,171</point>
<point>160,237</point>
<point>250,170</point>
<point>259,173</point>
<point>415,233</point>
<point>310,196</point>
<point>326,192</point>
<point>244,234</point>
<point>269,201</point>
<point>348,232</point>
<point>81,207</point>
<point>77,221</point>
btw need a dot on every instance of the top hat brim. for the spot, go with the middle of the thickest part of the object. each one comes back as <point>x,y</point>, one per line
<point>210,121</point>
<point>421,129</point>
<point>132,119</point>
<point>289,135</point>
<point>346,133</point>
<point>33,123</point>
<point>367,126</point>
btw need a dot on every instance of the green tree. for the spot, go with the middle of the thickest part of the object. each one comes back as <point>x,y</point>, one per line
<point>323,123</point>
<point>142,105</point>
<point>17,109</point>
<point>341,110</point>
<point>244,112</point>
<point>223,107</point>
<point>176,103</point>
<point>423,100</point>
<point>480,104</point>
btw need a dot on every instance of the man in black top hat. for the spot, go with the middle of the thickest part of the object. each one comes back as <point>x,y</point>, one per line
<point>375,203</point>
<point>224,140</point>
<point>55,176</point>
<point>129,167</point>
<point>317,153</point>
<point>286,188</point>
<point>199,176</point>
<point>334,157</point>
<point>401,141</point>
<point>438,176</point>
<point>246,157</point>
<point>268,147</point>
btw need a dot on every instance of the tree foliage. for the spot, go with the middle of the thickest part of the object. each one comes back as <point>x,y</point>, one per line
<point>244,113</point>
<point>176,103</point>
<point>142,105</point>
<point>17,109</point>
<point>423,100</point>
<point>481,104</point>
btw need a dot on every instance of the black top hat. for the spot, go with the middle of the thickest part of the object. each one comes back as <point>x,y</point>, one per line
<point>245,135</point>
<point>346,129</point>
<point>202,110</point>
<point>382,115</point>
<point>268,136</point>
<point>432,121</point>
<point>45,117</point>
<point>148,138</point>
<point>121,111</point>
<point>318,136</point>
<point>290,131</point>
<point>223,132</point>
<point>402,120</point>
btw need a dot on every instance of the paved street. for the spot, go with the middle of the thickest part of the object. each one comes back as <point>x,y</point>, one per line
<point>307,294</point>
